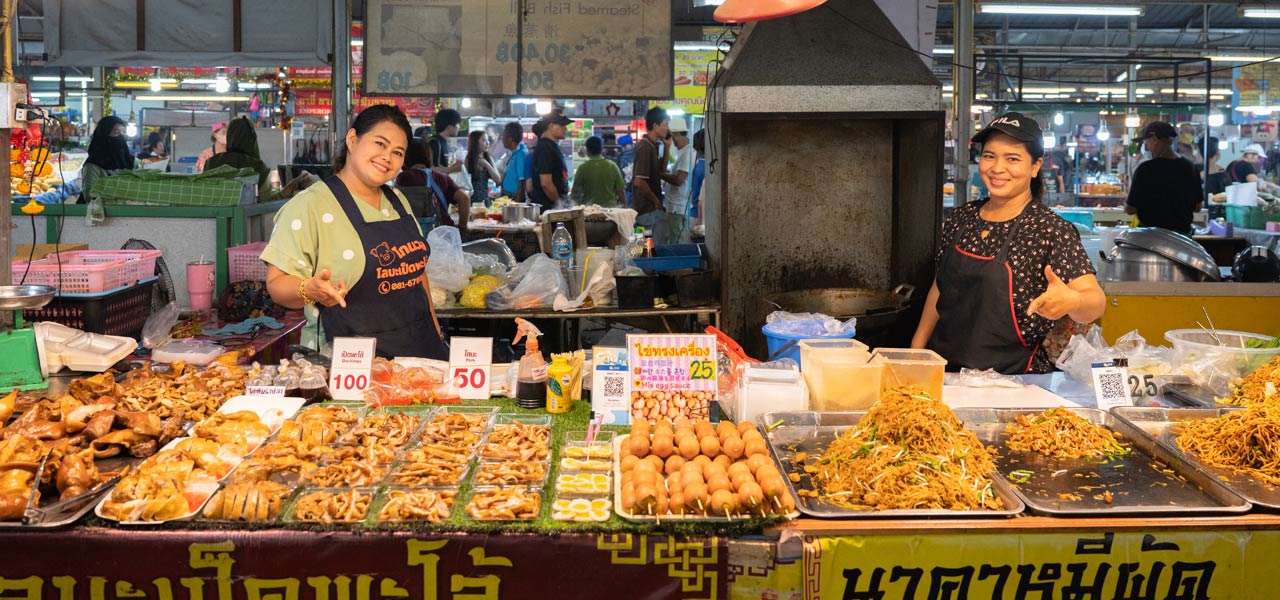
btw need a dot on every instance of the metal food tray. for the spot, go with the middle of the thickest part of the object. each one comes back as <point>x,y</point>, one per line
<point>1191,395</point>
<point>812,432</point>
<point>1149,480</point>
<point>1159,423</point>
<point>617,499</point>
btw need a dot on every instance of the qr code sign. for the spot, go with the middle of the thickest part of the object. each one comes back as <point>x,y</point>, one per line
<point>615,386</point>
<point>1113,386</point>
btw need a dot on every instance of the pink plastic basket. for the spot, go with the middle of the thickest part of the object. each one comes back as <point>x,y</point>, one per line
<point>139,264</point>
<point>245,264</point>
<point>74,277</point>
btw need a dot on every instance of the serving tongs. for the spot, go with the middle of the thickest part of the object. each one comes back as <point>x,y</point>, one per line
<point>64,508</point>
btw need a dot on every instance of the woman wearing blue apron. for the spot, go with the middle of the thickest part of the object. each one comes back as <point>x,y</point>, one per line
<point>1009,267</point>
<point>352,248</point>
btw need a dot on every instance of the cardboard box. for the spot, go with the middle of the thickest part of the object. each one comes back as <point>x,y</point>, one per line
<point>43,250</point>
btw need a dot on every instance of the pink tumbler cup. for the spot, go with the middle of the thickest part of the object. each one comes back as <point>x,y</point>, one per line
<point>201,279</point>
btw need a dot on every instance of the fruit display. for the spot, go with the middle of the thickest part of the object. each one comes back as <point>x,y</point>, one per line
<point>694,469</point>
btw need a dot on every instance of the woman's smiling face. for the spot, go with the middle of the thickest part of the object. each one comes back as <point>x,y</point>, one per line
<point>377,155</point>
<point>1006,166</point>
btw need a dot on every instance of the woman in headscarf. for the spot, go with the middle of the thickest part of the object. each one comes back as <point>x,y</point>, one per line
<point>242,153</point>
<point>108,153</point>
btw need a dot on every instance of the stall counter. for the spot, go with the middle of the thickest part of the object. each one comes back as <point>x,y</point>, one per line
<point>1156,307</point>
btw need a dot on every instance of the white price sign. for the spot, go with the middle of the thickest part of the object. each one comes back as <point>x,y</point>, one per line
<point>352,361</point>
<point>469,360</point>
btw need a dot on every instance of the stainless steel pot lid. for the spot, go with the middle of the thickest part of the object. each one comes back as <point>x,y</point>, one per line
<point>1173,246</point>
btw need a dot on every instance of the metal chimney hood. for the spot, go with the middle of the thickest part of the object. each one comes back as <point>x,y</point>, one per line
<point>818,62</point>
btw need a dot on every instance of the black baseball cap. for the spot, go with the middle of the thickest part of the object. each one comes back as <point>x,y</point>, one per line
<point>1018,125</point>
<point>1159,129</point>
<point>556,117</point>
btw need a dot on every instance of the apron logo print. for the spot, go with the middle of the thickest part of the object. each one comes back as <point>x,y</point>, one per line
<point>383,253</point>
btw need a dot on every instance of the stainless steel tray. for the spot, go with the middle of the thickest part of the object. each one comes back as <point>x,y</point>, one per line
<point>812,432</point>
<point>1191,395</point>
<point>1159,424</point>
<point>1148,480</point>
<point>65,512</point>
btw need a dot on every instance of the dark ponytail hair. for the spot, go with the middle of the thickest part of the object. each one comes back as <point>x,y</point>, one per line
<point>368,119</point>
<point>1036,150</point>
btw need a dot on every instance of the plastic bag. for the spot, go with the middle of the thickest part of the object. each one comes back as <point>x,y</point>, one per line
<point>539,284</point>
<point>448,267</point>
<point>94,213</point>
<point>1078,358</point>
<point>988,378</point>
<point>483,264</point>
<point>818,324</point>
<point>598,281</point>
<point>155,332</point>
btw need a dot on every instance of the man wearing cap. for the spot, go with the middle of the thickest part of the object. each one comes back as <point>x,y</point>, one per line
<point>1246,168</point>
<point>1165,190</point>
<point>1008,266</point>
<point>549,176</point>
<point>598,181</point>
<point>676,183</point>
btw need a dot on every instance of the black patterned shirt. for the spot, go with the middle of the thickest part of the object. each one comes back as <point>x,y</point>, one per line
<point>1043,239</point>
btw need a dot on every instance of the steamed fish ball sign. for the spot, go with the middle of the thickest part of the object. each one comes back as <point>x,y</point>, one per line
<point>672,375</point>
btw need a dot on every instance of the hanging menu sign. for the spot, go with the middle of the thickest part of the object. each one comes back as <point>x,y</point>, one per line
<point>563,48</point>
<point>672,375</point>
<point>597,48</point>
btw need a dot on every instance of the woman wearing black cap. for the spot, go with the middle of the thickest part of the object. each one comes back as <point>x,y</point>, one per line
<point>1165,190</point>
<point>1009,267</point>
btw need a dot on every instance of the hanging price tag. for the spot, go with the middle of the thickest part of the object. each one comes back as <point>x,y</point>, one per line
<point>352,361</point>
<point>469,365</point>
<point>1111,384</point>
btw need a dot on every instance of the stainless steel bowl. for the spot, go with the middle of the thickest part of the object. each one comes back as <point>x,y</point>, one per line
<point>1178,248</point>
<point>20,297</point>
<point>513,213</point>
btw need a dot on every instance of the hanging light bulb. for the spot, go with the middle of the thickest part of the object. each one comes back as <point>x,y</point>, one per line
<point>221,85</point>
<point>155,80</point>
<point>1216,119</point>
<point>542,107</point>
<point>466,103</point>
<point>745,11</point>
<point>1058,118</point>
<point>1103,134</point>
<point>1132,121</point>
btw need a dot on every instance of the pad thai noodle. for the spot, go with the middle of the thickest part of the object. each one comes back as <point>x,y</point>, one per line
<point>1244,441</point>
<point>1258,386</point>
<point>1060,433</point>
<point>910,451</point>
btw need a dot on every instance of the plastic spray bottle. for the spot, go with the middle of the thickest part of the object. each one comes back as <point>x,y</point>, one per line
<point>531,379</point>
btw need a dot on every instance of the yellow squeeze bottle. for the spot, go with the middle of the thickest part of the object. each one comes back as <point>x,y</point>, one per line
<point>559,376</point>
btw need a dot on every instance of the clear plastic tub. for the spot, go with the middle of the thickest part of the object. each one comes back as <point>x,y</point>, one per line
<point>397,504</point>
<point>1215,366</point>
<point>842,383</point>
<point>907,366</point>
<point>822,349</point>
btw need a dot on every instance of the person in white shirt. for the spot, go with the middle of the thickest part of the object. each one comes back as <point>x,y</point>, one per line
<point>676,183</point>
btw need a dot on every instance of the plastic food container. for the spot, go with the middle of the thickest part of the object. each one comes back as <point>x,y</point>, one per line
<point>1216,366</point>
<point>192,352</point>
<point>765,389</point>
<point>906,366</point>
<point>842,383</point>
<point>447,494</point>
<point>825,349</point>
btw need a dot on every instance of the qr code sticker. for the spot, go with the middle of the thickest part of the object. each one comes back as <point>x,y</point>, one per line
<point>1113,387</point>
<point>615,387</point>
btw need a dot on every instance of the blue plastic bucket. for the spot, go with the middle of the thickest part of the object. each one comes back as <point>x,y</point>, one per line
<point>778,339</point>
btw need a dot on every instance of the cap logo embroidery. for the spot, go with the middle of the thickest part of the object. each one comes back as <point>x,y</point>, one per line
<point>1007,121</point>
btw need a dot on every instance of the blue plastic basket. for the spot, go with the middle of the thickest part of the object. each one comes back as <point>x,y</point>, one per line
<point>777,340</point>
<point>674,256</point>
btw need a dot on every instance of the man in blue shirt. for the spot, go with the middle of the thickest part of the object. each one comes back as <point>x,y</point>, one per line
<point>515,178</point>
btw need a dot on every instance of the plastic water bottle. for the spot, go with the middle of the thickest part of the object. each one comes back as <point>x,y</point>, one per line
<point>562,247</point>
<point>636,246</point>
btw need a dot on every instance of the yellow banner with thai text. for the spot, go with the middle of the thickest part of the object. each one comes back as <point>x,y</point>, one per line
<point>1196,565</point>
<point>693,72</point>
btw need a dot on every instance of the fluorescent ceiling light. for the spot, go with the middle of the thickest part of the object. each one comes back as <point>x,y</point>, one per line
<point>68,79</point>
<point>143,84</point>
<point>695,46</point>
<point>1031,89</point>
<point>1196,91</point>
<point>1260,13</point>
<point>1062,9</point>
<point>1117,91</point>
<point>1044,96</point>
<point>944,50</point>
<point>947,87</point>
<point>55,94</point>
<point>192,98</point>
<point>1123,76</point>
<point>1244,58</point>
<point>357,43</point>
